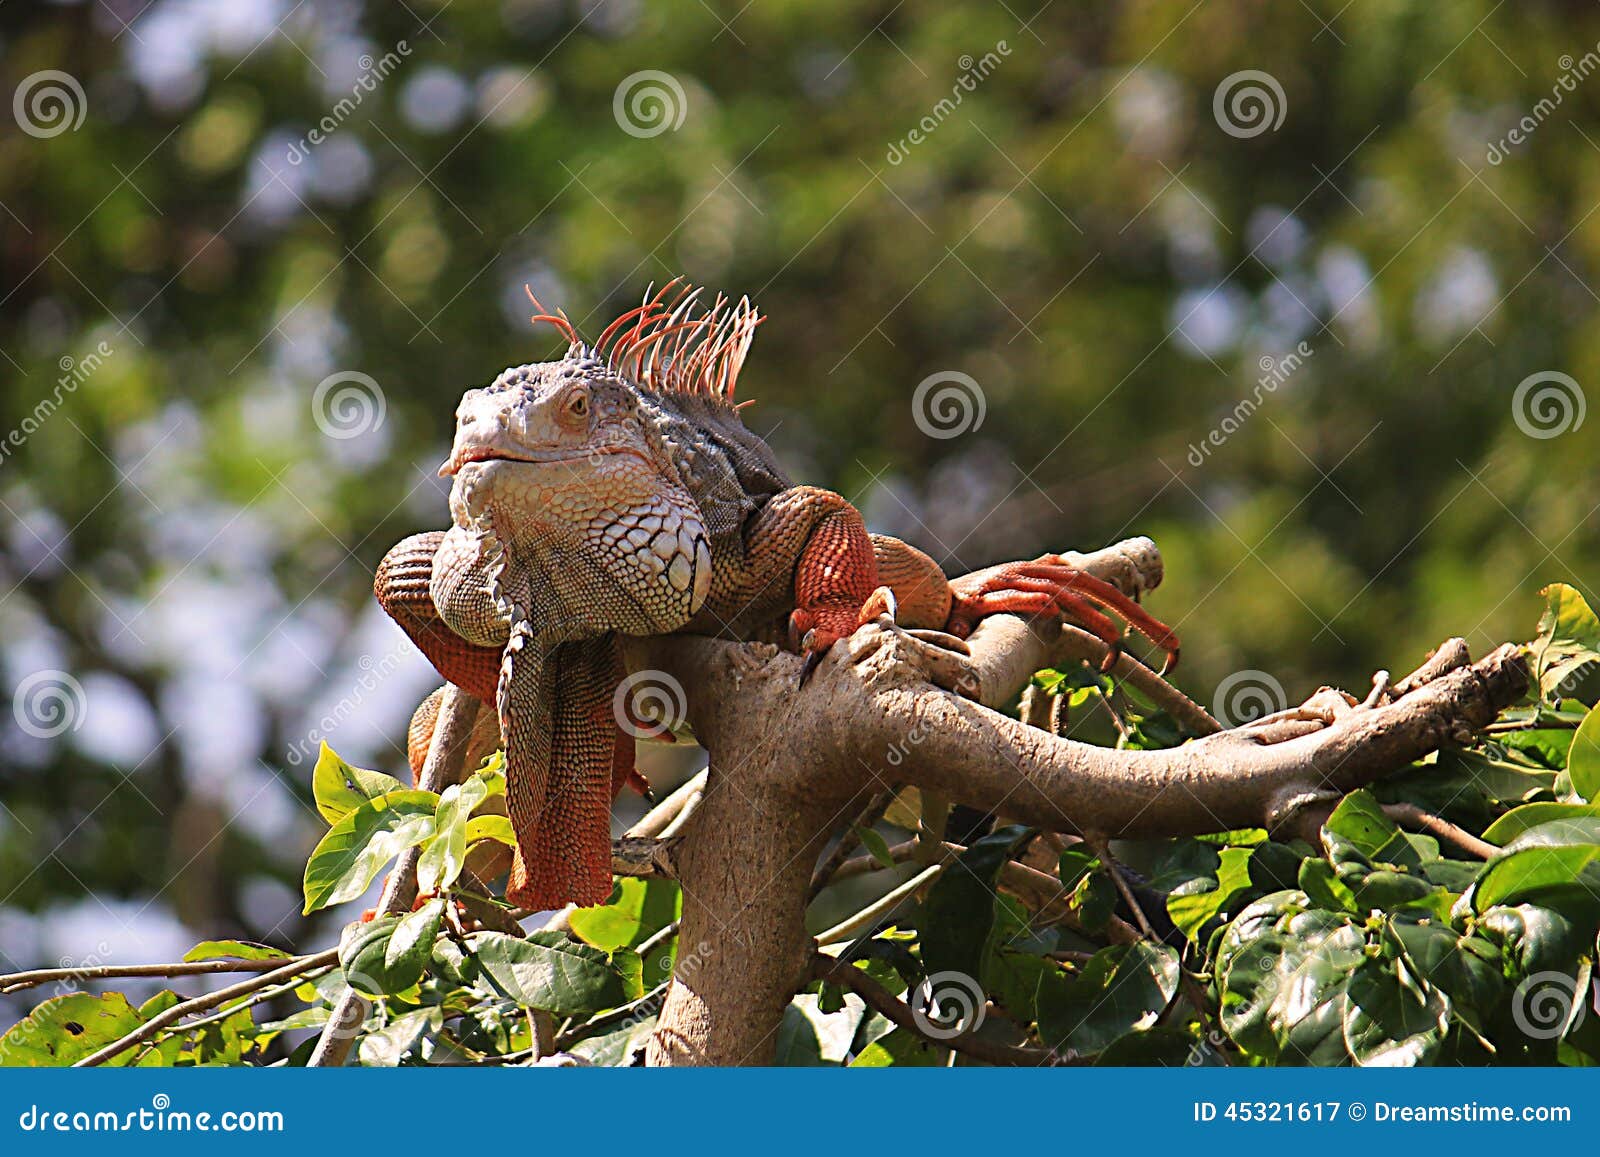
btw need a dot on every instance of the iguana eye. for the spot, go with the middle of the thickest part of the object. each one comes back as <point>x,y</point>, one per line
<point>578,404</point>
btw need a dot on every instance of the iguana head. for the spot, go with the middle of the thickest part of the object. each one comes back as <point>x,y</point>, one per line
<point>557,465</point>
<point>554,414</point>
<point>571,468</point>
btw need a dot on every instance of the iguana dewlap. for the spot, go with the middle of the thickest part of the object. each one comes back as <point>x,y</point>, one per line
<point>618,492</point>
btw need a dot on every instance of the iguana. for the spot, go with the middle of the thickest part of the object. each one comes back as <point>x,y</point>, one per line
<point>617,491</point>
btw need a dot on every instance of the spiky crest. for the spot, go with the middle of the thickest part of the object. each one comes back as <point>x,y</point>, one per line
<point>660,345</point>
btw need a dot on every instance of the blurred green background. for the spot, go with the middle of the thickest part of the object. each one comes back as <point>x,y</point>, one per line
<point>231,349</point>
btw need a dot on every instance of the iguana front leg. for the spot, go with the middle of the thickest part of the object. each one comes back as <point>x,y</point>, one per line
<point>844,577</point>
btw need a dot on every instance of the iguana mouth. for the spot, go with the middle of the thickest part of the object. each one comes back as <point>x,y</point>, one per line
<point>494,454</point>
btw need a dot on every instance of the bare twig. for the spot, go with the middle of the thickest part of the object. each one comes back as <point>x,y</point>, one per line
<point>879,909</point>
<point>297,967</point>
<point>1413,818</point>
<point>16,981</point>
<point>849,841</point>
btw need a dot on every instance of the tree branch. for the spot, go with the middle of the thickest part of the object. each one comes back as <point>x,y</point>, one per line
<point>787,768</point>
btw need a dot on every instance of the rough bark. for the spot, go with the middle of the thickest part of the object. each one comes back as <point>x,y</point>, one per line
<point>789,766</point>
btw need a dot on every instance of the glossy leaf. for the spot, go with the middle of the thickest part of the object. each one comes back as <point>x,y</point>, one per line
<point>65,1029</point>
<point>353,852</point>
<point>339,787</point>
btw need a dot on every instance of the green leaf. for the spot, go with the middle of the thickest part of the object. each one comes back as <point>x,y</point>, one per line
<point>491,827</point>
<point>547,971</point>
<point>441,860</point>
<point>1323,888</point>
<point>1162,1047</point>
<point>1120,990</point>
<point>356,848</point>
<point>899,1049</point>
<point>1569,637</point>
<point>877,847</point>
<point>1192,905</point>
<point>635,911</point>
<point>959,914</point>
<point>808,1037</point>
<point>1282,967</point>
<point>233,950</point>
<point>225,1042</point>
<point>1583,759</point>
<point>65,1029</point>
<point>1497,772</point>
<point>1530,815</point>
<point>366,951</point>
<point>1556,863</point>
<point>400,1039</point>
<point>339,788</point>
<point>1358,827</point>
<point>1394,1017</point>
<point>411,945</point>
<point>1535,939</point>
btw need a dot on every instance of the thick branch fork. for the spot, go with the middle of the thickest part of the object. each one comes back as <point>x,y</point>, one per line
<point>788,768</point>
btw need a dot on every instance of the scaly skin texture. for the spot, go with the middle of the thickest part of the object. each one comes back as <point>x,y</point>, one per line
<point>617,492</point>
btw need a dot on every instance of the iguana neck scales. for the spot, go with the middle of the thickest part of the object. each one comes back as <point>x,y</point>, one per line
<point>617,491</point>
